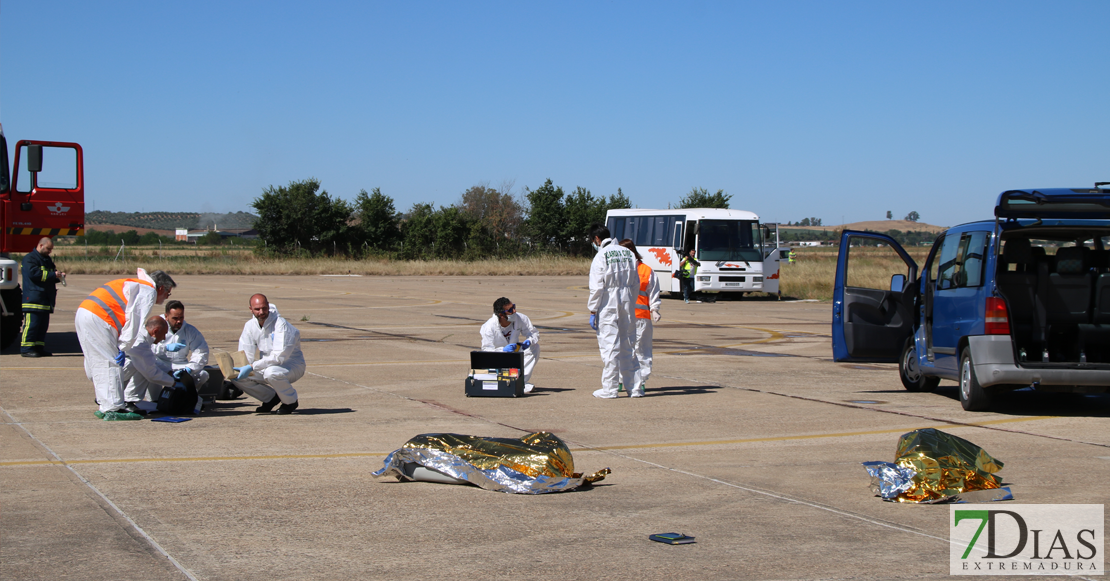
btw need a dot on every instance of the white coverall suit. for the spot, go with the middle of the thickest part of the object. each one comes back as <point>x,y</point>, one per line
<point>193,357</point>
<point>614,285</point>
<point>279,362</point>
<point>495,337</point>
<point>644,324</point>
<point>144,372</point>
<point>100,341</point>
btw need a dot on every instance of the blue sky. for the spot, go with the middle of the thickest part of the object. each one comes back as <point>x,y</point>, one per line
<point>837,110</point>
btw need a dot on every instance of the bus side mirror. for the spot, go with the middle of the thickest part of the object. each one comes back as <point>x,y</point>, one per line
<point>897,283</point>
<point>34,158</point>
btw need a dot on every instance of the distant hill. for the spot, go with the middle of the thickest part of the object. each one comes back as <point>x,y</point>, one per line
<point>875,226</point>
<point>172,220</point>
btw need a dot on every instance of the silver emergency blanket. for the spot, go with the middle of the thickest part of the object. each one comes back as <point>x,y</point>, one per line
<point>535,464</point>
<point>932,466</point>
<point>888,479</point>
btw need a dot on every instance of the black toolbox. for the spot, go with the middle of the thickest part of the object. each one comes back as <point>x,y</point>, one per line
<point>495,374</point>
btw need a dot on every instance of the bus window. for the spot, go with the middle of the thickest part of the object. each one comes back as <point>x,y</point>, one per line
<point>729,240</point>
<point>616,228</point>
<point>659,234</point>
<point>644,226</point>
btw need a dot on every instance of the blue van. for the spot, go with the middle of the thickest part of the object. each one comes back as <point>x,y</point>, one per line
<point>1022,300</point>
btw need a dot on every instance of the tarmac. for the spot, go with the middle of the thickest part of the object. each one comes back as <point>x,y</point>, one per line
<point>750,439</point>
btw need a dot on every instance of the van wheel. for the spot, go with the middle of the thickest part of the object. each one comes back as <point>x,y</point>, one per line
<point>972,395</point>
<point>910,372</point>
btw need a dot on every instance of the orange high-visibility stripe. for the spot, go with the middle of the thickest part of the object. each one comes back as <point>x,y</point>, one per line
<point>109,303</point>
<point>643,308</point>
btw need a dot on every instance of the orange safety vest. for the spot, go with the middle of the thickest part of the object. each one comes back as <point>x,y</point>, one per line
<point>643,308</point>
<point>108,302</point>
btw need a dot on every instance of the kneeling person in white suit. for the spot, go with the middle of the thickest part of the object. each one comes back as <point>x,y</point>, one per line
<point>270,374</point>
<point>505,329</point>
<point>184,347</point>
<point>143,372</point>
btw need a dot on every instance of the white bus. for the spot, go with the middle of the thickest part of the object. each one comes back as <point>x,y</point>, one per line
<point>736,253</point>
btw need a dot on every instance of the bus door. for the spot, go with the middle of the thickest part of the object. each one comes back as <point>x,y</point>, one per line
<point>685,238</point>
<point>773,255</point>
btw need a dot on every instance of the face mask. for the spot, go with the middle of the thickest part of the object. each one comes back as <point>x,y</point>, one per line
<point>596,247</point>
<point>511,318</point>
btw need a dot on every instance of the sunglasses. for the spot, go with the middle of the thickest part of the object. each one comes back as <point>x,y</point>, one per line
<point>509,310</point>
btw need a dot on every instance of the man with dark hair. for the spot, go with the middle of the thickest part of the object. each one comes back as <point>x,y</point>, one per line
<point>143,371</point>
<point>108,323</point>
<point>183,348</point>
<point>614,285</point>
<point>274,358</point>
<point>40,288</point>
<point>509,331</point>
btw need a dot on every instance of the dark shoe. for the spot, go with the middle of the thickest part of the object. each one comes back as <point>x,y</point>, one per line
<point>268,406</point>
<point>31,354</point>
<point>131,408</point>
<point>45,353</point>
<point>288,408</point>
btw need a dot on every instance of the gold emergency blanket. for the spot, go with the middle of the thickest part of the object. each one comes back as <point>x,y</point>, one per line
<point>933,466</point>
<point>535,464</point>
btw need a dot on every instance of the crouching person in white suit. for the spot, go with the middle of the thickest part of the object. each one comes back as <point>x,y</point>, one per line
<point>275,361</point>
<point>143,372</point>
<point>184,347</point>
<point>507,328</point>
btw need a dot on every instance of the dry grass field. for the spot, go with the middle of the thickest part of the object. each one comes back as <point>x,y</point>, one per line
<point>811,277</point>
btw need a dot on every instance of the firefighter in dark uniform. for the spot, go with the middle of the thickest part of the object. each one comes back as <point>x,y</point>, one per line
<point>40,288</point>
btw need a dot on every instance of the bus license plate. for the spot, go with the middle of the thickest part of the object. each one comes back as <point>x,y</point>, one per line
<point>732,284</point>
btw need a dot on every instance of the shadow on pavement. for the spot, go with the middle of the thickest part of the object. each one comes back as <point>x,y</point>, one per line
<point>1030,403</point>
<point>680,390</point>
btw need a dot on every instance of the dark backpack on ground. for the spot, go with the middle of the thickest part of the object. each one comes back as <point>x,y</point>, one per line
<point>179,399</point>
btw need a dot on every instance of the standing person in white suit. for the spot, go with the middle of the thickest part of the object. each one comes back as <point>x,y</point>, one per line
<point>269,376</point>
<point>108,322</point>
<point>647,312</point>
<point>614,285</point>
<point>507,328</point>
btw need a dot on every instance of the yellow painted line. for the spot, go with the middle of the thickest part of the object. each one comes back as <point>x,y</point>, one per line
<point>42,368</point>
<point>197,459</point>
<point>577,449</point>
<point>817,436</point>
<point>413,362</point>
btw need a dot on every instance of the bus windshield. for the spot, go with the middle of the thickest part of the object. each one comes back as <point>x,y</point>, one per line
<point>729,240</point>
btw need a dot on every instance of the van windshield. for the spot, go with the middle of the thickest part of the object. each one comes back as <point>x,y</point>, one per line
<point>729,240</point>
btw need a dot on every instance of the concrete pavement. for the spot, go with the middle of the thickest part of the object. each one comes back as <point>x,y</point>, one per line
<point>750,439</point>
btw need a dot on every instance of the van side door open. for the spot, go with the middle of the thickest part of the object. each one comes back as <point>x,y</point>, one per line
<point>872,320</point>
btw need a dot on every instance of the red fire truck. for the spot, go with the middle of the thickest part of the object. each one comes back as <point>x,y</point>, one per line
<point>44,196</point>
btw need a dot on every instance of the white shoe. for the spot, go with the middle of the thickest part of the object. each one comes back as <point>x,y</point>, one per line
<point>528,387</point>
<point>605,394</point>
<point>638,392</point>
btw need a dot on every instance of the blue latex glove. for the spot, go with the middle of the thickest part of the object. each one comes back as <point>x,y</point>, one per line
<point>120,358</point>
<point>509,348</point>
<point>179,372</point>
<point>593,322</point>
<point>526,344</point>
<point>175,347</point>
<point>244,371</point>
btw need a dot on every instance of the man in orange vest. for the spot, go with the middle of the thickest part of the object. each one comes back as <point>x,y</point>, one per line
<point>108,322</point>
<point>647,313</point>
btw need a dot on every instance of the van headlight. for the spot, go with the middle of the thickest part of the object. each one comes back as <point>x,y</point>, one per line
<point>703,279</point>
<point>757,279</point>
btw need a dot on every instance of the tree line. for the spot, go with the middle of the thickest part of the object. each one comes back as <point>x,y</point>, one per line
<point>300,219</point>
